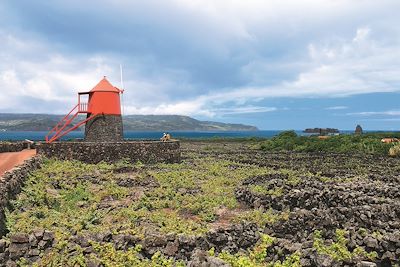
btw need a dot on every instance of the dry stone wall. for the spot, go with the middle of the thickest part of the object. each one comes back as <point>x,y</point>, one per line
<point>94,152</point>
<point>192,249</point>
<point>16,146</point>
<point>29,247</point>
<point>11,183</point>
<point>12,146</point>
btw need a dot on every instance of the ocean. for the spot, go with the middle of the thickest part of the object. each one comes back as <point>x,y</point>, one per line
<point>39,136</point>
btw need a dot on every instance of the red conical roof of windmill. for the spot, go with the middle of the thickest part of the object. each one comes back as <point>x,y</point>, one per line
<point>105,86</point>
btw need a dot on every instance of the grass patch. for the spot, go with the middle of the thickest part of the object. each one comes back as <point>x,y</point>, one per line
<point>262,190</point>
<point>262,218</point>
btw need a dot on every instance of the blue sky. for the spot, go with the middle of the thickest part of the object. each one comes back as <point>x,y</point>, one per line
<point>287,64</point>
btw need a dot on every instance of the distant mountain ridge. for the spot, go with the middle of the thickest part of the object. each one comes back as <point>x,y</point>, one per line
<point>44,122</point>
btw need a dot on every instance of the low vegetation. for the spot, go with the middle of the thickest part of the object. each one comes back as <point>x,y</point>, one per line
<point>394,151</point>
<point>108,255</point>
<point>337,249</point>
<point>353,144</point>
<point>257,256</point>
<point>288,199</point>
<point>70,197</point>
<point>179,198</point>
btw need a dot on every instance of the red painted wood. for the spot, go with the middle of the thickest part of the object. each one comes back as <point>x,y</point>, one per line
<point>103,99</point>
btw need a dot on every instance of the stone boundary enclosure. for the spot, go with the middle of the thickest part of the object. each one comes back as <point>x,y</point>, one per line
<point>11,183</point>
<point>94,152</point>
<point>12,146</point>
<point>32,245</point>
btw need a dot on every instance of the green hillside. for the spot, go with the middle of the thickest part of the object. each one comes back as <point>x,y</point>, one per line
<point>44,122</point>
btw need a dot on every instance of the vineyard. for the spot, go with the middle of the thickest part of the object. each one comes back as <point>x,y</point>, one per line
<point>227,204</point>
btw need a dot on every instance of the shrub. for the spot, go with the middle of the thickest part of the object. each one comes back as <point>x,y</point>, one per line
<point>338,250</point>
<point>354,144</point>
<point>394,151</point>
<point>257,256</point>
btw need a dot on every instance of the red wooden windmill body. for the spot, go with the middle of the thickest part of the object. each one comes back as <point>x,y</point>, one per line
<point>103,101</point>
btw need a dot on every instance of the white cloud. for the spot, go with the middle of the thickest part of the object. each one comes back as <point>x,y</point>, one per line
<point>383,120</point>
<point>341,52</point>
<point>342,68</point>
<point>337,108</point>
<point>347,67</point>
<point>245,110</point>
<point>44,81</point>
<point>194,107</point>
<point>352,67</point>
<point>374,113</point>
<point>362,35</point>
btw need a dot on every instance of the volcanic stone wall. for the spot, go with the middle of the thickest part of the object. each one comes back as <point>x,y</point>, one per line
<point>32,246</point>
<point>104,128</point>
<point>11,183</point>
<point>15,146</point>
<point>19,244</point>
<point>12,146</point>
<point>94,152</point>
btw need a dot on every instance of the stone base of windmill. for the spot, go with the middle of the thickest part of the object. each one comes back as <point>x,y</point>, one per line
<point>95,152</point>
<point>104,128</point>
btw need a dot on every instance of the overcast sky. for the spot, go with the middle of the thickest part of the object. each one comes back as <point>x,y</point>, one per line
<point>287,64</point>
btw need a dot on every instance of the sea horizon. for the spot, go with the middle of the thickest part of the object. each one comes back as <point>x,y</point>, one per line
<point>154,135</point>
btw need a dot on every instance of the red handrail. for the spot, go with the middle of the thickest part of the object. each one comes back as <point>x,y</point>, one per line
<point>61,134</point>
<point>59,130</point>
<point>55,129</point>
<point>83,107</point>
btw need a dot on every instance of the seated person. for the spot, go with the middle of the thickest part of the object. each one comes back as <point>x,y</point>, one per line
<point>166,137</point>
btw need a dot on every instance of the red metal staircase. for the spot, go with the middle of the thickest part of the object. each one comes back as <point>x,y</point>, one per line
<point>61,128</point>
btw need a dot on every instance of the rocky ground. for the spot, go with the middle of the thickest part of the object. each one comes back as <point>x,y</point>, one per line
<point>226,204</point>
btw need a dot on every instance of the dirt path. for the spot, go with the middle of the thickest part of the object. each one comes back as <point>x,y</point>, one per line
<point>9,160</point>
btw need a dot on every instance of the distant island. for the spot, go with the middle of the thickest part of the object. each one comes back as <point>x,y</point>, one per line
<point>321,131</point>
<point>45,122</point>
